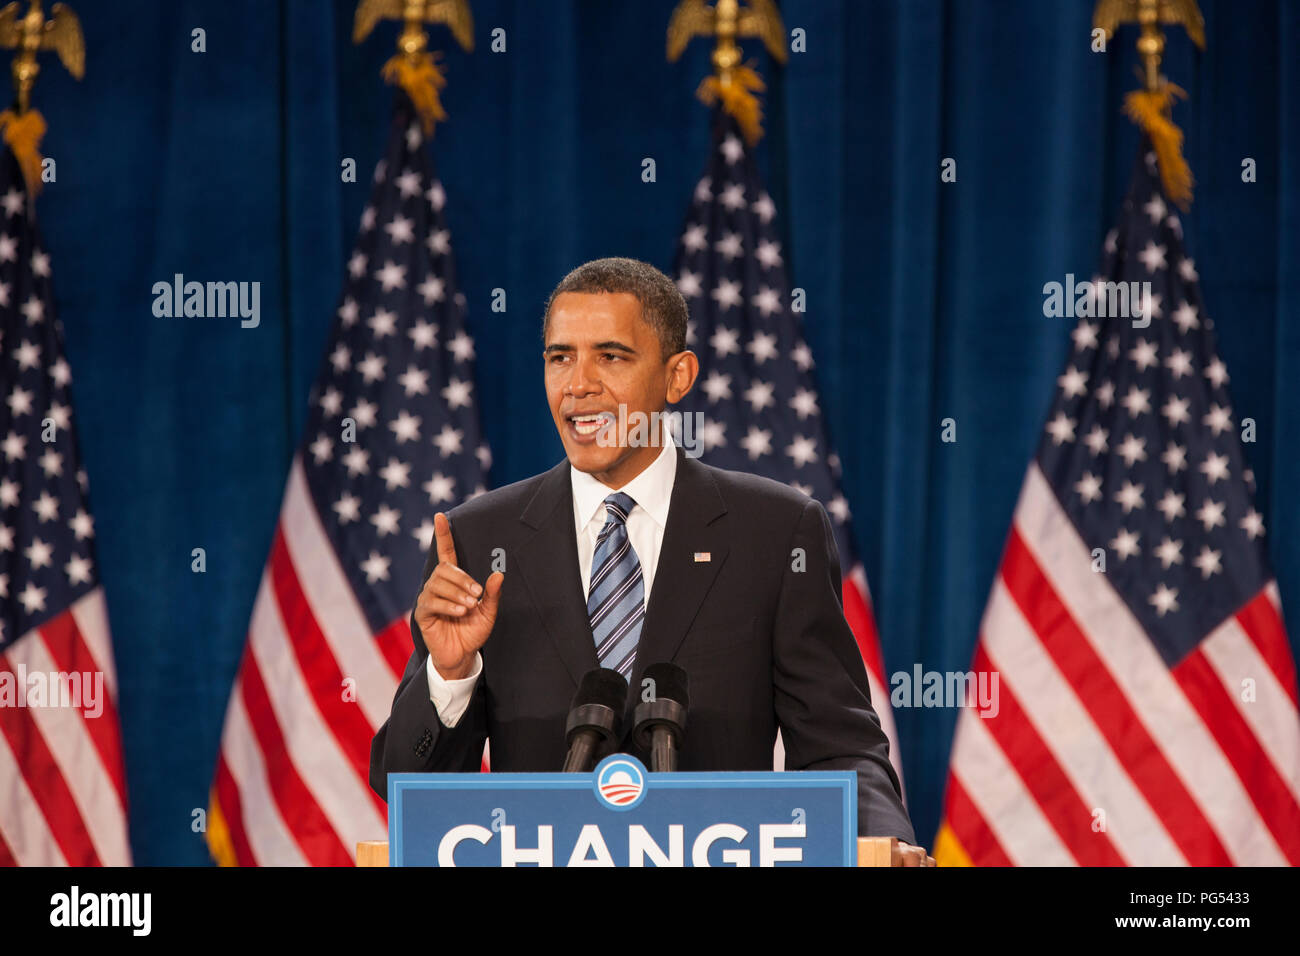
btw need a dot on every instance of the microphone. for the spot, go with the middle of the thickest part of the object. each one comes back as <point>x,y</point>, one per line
<point>661,721</point>
<point>595,717</point>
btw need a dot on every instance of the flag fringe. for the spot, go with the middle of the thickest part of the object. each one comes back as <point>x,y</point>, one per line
<point>1150,110</point>
<point>738,99</point>
<point>420,77</point>
<point>220,845</point>
<point>23,133</point>
<point>948,850</point>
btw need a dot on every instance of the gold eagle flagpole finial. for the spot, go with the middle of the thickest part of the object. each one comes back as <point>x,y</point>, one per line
<point>1150,108</point>
<point>732,83</point>
<point>414,68</point>
<point>30,34</point>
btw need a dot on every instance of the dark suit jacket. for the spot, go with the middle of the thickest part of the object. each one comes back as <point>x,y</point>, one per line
<point>763,645</point>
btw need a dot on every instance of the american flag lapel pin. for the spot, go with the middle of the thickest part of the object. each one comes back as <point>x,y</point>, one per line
<point>703,557</point>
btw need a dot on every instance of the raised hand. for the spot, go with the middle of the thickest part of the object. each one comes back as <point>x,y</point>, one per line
<point>454,612</point>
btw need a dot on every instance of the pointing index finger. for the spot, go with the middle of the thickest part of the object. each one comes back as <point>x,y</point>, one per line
<point>442,535</point>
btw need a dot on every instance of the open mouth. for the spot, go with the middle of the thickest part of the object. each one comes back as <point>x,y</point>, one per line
<point>588,424</point>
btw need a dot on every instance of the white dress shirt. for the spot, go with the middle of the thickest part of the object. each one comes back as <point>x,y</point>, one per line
<point>651,490</point>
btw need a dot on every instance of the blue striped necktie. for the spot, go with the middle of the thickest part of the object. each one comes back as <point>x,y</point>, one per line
<point>616,598</point>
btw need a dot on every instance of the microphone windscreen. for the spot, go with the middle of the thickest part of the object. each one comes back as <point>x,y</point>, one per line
<point>670,683</point>
<point>604,686</point>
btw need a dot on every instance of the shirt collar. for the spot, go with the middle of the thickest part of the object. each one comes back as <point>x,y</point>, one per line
<point>651,490</point>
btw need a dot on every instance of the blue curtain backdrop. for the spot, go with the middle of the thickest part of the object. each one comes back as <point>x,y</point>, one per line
<point>925,298</point>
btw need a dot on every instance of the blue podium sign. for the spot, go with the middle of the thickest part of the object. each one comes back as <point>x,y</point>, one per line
<point>622,815</point>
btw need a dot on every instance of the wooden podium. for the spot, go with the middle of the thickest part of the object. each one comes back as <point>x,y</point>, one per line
<point>872,851</point>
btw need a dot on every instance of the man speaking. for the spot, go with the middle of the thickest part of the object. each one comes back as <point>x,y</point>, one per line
<point>628,554</point>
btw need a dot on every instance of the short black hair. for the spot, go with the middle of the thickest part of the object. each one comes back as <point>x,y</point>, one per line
<point>662,304</point>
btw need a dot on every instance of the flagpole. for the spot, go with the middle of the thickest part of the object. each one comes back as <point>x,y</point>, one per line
<point>732,84</point>
<point>31,34</point>
<point>1150,108</point>
<point>414,68</point>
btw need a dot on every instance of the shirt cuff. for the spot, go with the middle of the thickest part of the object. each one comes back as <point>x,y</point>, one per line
<point>451,697</point>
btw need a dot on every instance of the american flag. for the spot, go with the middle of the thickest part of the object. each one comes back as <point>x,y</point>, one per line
<point>62,783</point>
<point>392,436</point>
<point>756,392</point>
<point>1147,708</point>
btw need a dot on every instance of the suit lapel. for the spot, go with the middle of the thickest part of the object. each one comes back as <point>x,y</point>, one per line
<point>548,564</point>
<point>681,581</point>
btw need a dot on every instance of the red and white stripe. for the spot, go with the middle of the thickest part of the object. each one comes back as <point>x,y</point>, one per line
<point>313,688</point>
<point>1101,754</point>
<point>62,782</point>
